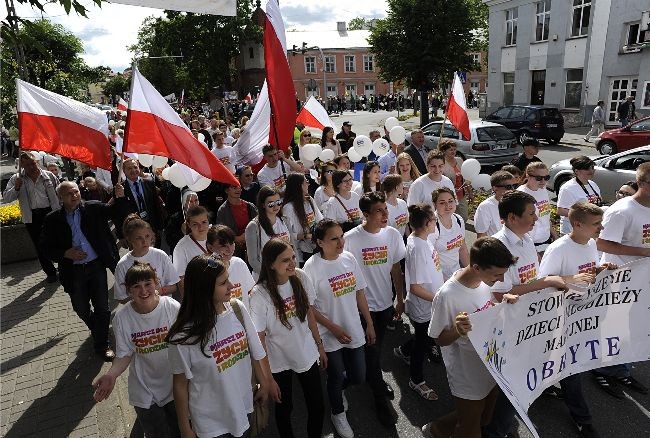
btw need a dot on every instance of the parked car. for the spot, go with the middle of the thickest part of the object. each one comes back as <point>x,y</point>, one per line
<point>611,171</point>
<point>622,139</point>
<point>490,143</point>
<point>526,121</point>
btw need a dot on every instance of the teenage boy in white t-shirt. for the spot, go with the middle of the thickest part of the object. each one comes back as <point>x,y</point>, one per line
<point>486,218</point>
<point>421,189</point>
<point>378,250</point>
<point>473,389</point>
<point>224,153</point>
<point>274,171</point>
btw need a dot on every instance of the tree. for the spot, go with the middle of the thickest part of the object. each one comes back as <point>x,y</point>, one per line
<point>358,23</point>
<point>116,86</point>
<point>424,42</point>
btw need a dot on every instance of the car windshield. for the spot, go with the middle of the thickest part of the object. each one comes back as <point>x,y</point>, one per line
<point>494,133</point>
<point>548,113</point>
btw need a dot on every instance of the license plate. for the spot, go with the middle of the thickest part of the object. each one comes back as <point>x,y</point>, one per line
<point>552,125</point>
<point>498,147</point>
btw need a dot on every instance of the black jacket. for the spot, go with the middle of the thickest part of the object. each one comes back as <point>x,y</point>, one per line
<point>417,158</point>
<point>130,205</point>
<point>624,109</point>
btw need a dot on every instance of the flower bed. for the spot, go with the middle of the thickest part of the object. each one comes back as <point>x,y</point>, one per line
<point>9,214</point>
<point>16,243</point>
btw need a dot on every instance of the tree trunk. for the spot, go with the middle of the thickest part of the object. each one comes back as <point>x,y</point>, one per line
<point>424,108</point>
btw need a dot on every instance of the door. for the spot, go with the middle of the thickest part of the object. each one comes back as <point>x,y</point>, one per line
<point>538,87</point>
<point>619,89</point>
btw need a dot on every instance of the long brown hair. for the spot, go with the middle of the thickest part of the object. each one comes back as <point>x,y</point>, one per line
<point>365,176</point>
<point>268,279</point>
<point>293,195</point>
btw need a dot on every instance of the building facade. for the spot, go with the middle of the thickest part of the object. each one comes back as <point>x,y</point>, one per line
<point>569,54</point>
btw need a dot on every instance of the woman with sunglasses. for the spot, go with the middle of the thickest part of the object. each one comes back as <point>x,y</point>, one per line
<point>580,188</point>
<point>329,142</point>
<point>450,240</point>
<point>302,215</point>
<point>268,224</point>
<point>213,351</point>
<point>409,172</point>
<point>304,139</point>
<point>325,190</point>
<point>537,177</point>
<point>370,178</point>
<point>627,189</point>
<point>281,311</point>
<point>343,207</point>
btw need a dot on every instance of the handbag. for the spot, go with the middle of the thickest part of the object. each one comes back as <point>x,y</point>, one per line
<point>350,223</point>
<point>259,419</point>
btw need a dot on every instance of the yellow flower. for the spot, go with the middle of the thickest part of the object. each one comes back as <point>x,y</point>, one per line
<point>10,214</point>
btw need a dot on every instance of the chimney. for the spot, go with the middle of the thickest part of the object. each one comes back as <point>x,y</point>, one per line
<point>341,26</point>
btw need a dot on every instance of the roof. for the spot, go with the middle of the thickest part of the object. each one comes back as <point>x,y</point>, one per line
<point>328,39</point>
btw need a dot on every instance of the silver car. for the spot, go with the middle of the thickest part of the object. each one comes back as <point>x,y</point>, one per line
<point>611,171</point>
<point>490,143</point>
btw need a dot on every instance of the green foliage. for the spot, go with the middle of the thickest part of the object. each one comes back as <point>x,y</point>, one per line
<point>425,41</point>
<point>357,23</point>
<point>208,44</point>
<point>116,85</point>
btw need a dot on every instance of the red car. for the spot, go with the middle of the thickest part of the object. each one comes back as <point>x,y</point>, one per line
<point>631,136</point>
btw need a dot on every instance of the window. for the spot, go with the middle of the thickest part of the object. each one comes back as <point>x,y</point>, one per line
<point>517,112</point>
<point>331,90</point>
<point>634,35</point>
<point>511,27</point>
<point>349,64</point>
<point>502,113</point>
<point>508,88</point>
<point>330,64</point>
<point>542,19</point>
<point>580,20</point>
<point>350,89</point>
<point>476,58</point>
<point>369,89</point>
<point>573,91</point>
<point>368,62</point>
<point>642,126</point>
<point>474,85</point>
<point>310,64</point>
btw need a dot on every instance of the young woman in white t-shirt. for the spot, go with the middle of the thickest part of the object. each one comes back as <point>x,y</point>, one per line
<point>543,233</point>
<point>268,224</point>
<point>398,213</point>
<point>340,298</point>
<point>450,241</point>
<point>580,188</point>
<point>140,236</point>
<point>213,355</point>
<point>409,172</point>
<point>192,244</point>
<point>370,178</point>
<point>343,207</point>
<point>302,215</point>
<point>281,311</point>
<point>140,330</point>
<point>326,190</point>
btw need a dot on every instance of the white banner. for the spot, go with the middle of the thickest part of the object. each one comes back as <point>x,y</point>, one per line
<point>549,335</point>
<point>170,98</point>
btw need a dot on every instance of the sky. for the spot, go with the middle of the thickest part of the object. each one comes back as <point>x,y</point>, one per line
<point>107,32</point>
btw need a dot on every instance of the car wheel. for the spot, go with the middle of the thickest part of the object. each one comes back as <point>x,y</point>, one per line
<point>560,182</point>
<point>523,136</point>
<point>607,147</point>
<point>553,140</point>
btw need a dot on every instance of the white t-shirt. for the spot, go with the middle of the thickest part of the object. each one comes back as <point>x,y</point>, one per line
<point>293,349</point>
<point>159,261</point>
<point>468,377</point>
<point>486,217</point>
<point>398,215</point>
<point>313,217</point>
<point>335,211</point>
<point>241,279</point>
<point>376,254</point>
<point>423,268</point>
<point>321,198</point>
<point>570,193</point>
<point>142,336</point>
<point>273,177</point>
<point>448,243</point>
<point>626,222</point>
<point>226,155</point>
<point>566,257</point>
<point>421,189</point>
<point>336,283</point>
<point>542,230</point>
<point>358,189</point>
<point>526,269</point>
<point>186,249</point>
<point>220,394</point>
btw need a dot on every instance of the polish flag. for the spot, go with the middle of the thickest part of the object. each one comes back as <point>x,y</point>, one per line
<point>457,109</point>
<point>153,127</point>
<point>248,98</point>
<point>314,115</point>
<point>122,105</point>
<point>59,125</point>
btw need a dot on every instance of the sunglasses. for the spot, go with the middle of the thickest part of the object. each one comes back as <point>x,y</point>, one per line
<point>540,178</point>
<point>213,261</point>
<point>329,172</point>
<point>274,203</point>
<point>508,186</point>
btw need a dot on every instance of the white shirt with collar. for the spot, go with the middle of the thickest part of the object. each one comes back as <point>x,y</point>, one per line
<point>385,162</point>
<point>526,269</point>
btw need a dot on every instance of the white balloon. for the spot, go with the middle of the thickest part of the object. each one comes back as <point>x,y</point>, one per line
<point>111,123</point>
<point>397,135</point>
<point>165,173</point>
<point>354,156</point>
<point>326,155</point>
<point>310,151</point>
<point>177,176</point>
<point>308,164</point>
<point>390,123</point>
<point>470,169</point>
<point>380,147</point>
<point>17,143</point>
<point>362,145</point>
<point>145,159</point>
<point>482,181</point>
<point>201,137</point>
<point>159,162</point>
<point>201,184</point>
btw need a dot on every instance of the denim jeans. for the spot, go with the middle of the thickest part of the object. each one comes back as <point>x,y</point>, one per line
<point>373,352</point>
<point>159,421</point>
<point>352,361</point>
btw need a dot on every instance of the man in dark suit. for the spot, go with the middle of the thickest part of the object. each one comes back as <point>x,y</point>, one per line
<point>79,239</point>
<point>346,137</point>
<point>417,151</point>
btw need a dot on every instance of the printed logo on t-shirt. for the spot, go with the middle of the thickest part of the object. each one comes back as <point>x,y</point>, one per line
<point>283,236</point>
<point>436,260</point>
<point>310,218</point>
<point>646,234</point>
<point>290,307</point>
<point>230,350</point>
<point>377,255</point>
<point>544,208</point>
<point>343,284</point>
<point>527,273</point>
<point>354,214</point>
<point>150,341</point>
<point>235,292</point>
<point>456,242</point>
<point>279,182</point>
<point>487,305</point>
<point>587,268</point>
<point>593,199</point>
<point>401,220</point>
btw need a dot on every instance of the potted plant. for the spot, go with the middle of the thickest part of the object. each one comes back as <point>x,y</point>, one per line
<point>16,244</point>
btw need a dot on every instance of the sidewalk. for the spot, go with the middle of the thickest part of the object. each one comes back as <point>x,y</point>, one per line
<point>48,364</point>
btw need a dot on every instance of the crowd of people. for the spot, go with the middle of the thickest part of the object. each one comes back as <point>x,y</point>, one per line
<point>301,269</point>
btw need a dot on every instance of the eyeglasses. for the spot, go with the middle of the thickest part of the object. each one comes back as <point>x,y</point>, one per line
<point>622,193</point>
<point>508,186</point>
<point>306,135</point>
<point>274,203</point>
<point>540,178</point>
<point>346,180</point>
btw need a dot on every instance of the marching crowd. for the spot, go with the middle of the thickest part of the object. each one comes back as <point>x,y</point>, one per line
<point>301,269</point>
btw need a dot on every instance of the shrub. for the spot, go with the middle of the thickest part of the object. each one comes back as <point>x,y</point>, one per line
<point>10,215</point>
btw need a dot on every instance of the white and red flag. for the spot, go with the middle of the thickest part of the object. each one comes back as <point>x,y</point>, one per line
<point>122,105</point>
<point>59,125</point>
<point>457,108</point>
<point>314,115</point>
<point>153,127</point>
<point>248,98</point>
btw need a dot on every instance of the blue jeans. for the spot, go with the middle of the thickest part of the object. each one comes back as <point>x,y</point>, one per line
<point>352,361</point>
<point>624,122</point>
